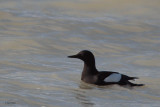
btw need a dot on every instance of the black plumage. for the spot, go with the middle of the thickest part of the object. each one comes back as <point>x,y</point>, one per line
<point>91,75</point>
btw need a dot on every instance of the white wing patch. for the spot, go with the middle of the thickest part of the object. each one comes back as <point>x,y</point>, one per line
<point>115,77</point>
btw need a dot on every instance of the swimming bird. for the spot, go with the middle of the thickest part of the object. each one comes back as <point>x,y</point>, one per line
<point>91,75</point>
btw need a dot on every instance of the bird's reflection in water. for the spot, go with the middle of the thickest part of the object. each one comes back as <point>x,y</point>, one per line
<point>82,97</point>
<point>84,85</point>
<point>85,99</point>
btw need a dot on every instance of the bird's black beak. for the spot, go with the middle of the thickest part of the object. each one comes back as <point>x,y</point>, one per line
<point>74,56</point>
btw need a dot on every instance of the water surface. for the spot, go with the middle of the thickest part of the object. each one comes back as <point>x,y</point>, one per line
<point>36,36</point>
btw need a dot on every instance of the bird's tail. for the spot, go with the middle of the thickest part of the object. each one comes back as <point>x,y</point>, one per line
<point>132,78</point>
<point>133,84</point>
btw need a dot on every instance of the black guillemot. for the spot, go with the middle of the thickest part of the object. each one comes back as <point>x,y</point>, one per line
<point>91,75</point>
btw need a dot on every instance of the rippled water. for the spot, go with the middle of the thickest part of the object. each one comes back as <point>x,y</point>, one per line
<point>36,36</point>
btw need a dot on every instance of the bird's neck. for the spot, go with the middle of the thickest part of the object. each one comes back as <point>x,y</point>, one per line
<point>89,68</point>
